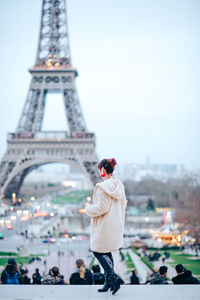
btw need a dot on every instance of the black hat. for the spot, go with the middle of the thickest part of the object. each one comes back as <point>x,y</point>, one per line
<point>163,270</point>
<point>11,261</point>
<point>179,268</point>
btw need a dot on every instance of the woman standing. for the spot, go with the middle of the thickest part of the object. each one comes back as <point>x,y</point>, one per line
<point>107,224</point>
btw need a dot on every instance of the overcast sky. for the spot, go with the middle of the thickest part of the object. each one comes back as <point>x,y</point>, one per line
<point>138,84</point>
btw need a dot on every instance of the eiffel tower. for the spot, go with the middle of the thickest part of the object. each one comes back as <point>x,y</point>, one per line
<point>29,147</point>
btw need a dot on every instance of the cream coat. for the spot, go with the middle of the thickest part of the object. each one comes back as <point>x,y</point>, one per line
<point>108,215</point>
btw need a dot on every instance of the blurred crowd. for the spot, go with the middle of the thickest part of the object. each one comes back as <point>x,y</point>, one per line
<point>159,276</point>
<point>13,274</point>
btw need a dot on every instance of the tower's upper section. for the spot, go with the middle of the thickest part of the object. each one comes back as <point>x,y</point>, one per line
<point>53,46</point>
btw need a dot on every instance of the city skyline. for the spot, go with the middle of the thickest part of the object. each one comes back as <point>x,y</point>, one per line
<point>138,76</point>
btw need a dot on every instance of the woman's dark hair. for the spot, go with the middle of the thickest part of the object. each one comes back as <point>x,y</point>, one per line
<point>55,271</point>
<point>11,266</point>
<point>108,165</point>
<point>11,269</point>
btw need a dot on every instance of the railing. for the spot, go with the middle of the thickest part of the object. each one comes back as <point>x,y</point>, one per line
<point>45,135</point>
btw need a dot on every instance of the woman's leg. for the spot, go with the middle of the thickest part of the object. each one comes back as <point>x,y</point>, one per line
<point>106,274</point>
<point>106,261</point>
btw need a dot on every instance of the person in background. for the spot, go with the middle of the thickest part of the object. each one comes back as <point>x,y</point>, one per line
<point>149,275</point>
<point>134,278</point>
<point>36,277</point>
<point>167,254</point>
<point>98,277</point>
<point>144,252</point>
<point>184,276</point>
<point>163,258</point>
<point>26,279</point>
<point>160,278</point>
<point>11,274</point>
<point>53,277</point>
<point>155,272</point>
<point>82,276</point>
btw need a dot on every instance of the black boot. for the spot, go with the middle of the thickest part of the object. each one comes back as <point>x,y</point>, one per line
<point>107,285</point>
<point>120,281</point>
<point>116,284</point>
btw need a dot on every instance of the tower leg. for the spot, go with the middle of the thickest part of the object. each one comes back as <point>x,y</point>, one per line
<point>92,170</point>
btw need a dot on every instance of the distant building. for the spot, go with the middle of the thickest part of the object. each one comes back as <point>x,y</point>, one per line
<point>81,182</point>
<point>157,171</point>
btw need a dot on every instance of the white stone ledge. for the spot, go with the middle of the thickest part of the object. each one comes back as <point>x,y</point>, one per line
<point>73,292</point>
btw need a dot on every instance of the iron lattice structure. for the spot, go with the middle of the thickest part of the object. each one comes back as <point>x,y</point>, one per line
<point>53,47</point>
<point>29,147</point>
